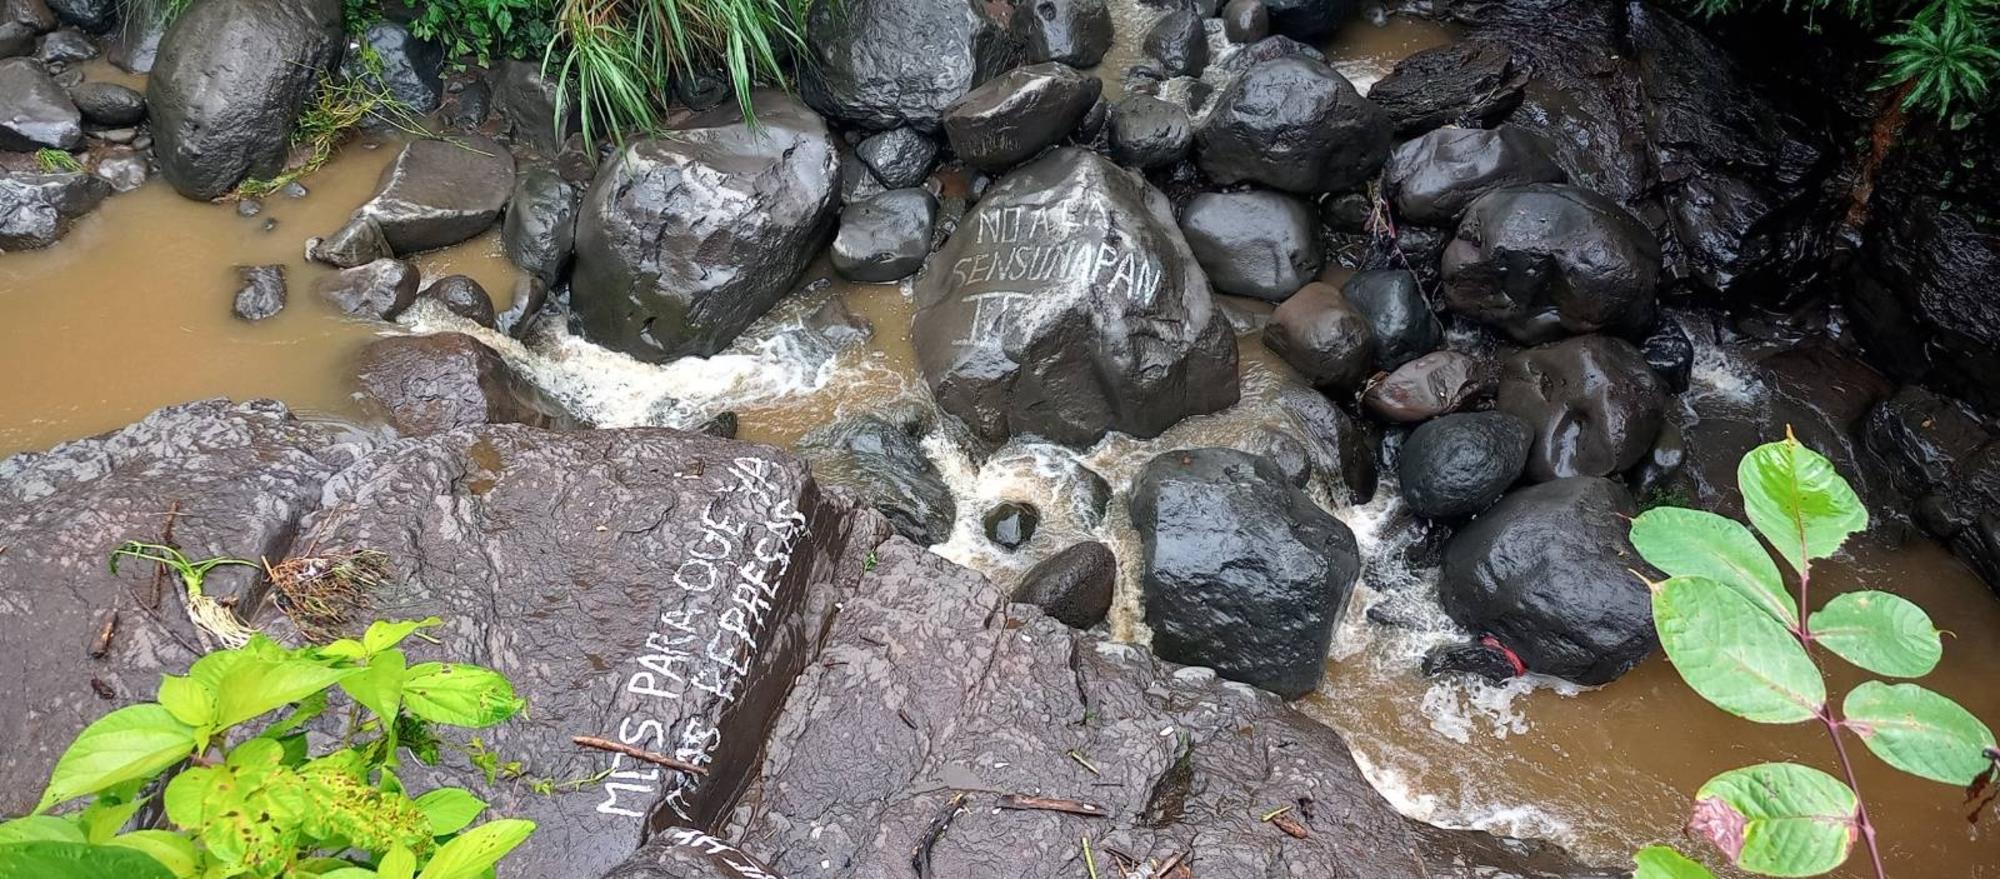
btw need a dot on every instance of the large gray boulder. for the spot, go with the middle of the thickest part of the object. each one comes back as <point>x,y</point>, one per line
<point>882,64</point>
<point>1543,260</point>
<point>539,235</point>
<point>1068,305</point>
<point>437,193</point>
<point>37,210</point>
<point>1019,113</point>
<point>1293,123</point>
<point>685,239</point>
<point>35,113</point>
<point>231,78</point>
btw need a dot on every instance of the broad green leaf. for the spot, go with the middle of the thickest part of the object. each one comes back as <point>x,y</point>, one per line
<point>45,859</point>
<point>1798,502</point>
<point>1661,862</point>
<point>351,873</point>
<point>186,797</point>
<point>459,695</point>
<point>257,685</point>
<point>44,828</point>
<point>107,815</point>
<point>472,853</point>
<point>1919,731</point>
<point>1883,633</point>
<point>1734,654</point>
<point>174,851</point>
<point>188,700</point>
<point>379,687</point>
<point>257,753</point>
<point>399,863</point>
<point>1692,543</point>
<point>383,635</point>
<point>137,741</point>
<point>345,648</point>
<point>1777,819</point>
<point>450,809</point>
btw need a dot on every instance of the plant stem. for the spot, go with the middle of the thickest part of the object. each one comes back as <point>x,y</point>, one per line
<point>1804,633</point>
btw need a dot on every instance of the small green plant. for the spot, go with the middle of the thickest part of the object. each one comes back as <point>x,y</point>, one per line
<point>53,160</point>
<point>487,29</point>
<point>1742,641</point>
<point>206,612</point>
<point>262,805</point>
<point>339,106</point>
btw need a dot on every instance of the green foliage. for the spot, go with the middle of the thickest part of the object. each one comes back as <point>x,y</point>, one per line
<point>338,107</point>
<point>1736,637</point>
<point>264,806</point>
<point>487,29</point>
<point>53,160</point>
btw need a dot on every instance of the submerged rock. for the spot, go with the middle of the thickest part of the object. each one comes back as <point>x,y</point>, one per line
<point>231,79</point>
<point>1073,32</point>
<point>1594,405</point>
<point>1458,465</point>
<point>887,237</point>
<point>883,64</point>
<point>35,113</point>
<point>262,293</point>
<point>1544,260</point>
<point>539,235</point>
<point>379,290</point>
<point>1018,114</point>
<point>1073,586</point>
<point>1011,524</point>
<point>1470,82</point>
<point>686,239</point>
<point>1433,179</point>
<point>37,210</point>
<point>434,383</point>
<point>1260,244</point>
<point>1295,124</point>
<point>437,193</point>
<point>1068,305</point>
<point>883,463</point>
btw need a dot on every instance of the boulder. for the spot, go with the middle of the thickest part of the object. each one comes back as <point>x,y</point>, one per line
<point>685,239</point>
<point>528,101</point>
<point>1548,573</point>
<point>389,59</point>
<point>461,296</point>
<point>379,290</point>
<point>1337,445</point>
<point>435,383</point>
<point>882,461</point>
<point>1405,329</point>
<point>857,182</point>
<point>1243,573</point>
<point>1434,178</point>
<point>262,293</point>
<point>885,238</point>
<point>1074,586</point>
<point>685,853</point>
<point>437,193</point>
<point>539,235</point>
<point>1922,438</point>
<point>1178,42</point>
<point>37,210</point>
<point>108,104</point>
<point>1594,405</point>
<point>95,16</point>
<point>1147,133</point>
<point>1018,114</point>
<point>881,64</point>
<point>1295,124</point>
<point>34,111</point>
<point>1246,21</point>
<point>1260,244</point>
<point>1073,32</point>
<point>899,158</point>
<point>1068,305</point>
<point>231,79</point>
<point>1473,82</point>
<point>1458,465</point>
<point>21,21</point>
<point>136,45</point>
<point>1322,335</point>
<point>357,243</point>
<point>1544,260</point>
<point>64,48</point>
<point>1430,386</point>
<point>1310,20</point>
<point>1011,524</point>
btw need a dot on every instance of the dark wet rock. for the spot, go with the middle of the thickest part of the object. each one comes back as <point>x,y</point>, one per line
<point>389,59</point>
<point>1923,437</point>
<point>1246,21</point>
<point>686,239</point>
<point>136,45</point>
<point>701,90</point>
<point>539,235</point>
<point>108,103</point>
<point>1073,586</point>
<point>125,168</point>
<point>461,296</point>
<point>1259,244</point>
<point>294,189</point>
<point>262,292</point>
<point>857,183</point>
<point>1663,474</point>
<point>882,64</point>
<point>95,16</point>
<point>1178,42</point>
<point>1478,658</point>
<point>1670,353</point>
<point>882,462</point>
<point>1429,386</point>
<point>1073,32</point>
<point>469,106</point>
<point>1011,524</point>
<point>1340,447</point>
<point>885,238</point>
<point>525,305</point>
<point>381,289</point>
<point>1548,573</point>
<point>1405,329</point>
<point>437,193</point>
<point>1545,260</point>
<point>65,47</point>
<point>34,111</point>
<point>1323,336</point>
<point>1033,320</point>
<point>231,79</point>
<point>528,100</point>
<point>431,384</point>
<point>1309,20</point>
<point>1018,114</point>
<point>1471,82</point>
<point>20,22</point>
<point>900,158</point>
<point>1294,124</point>
<point>1147,132</point>
<point>360,242</point>
<point>683,853</point>
<point>1458,465</point>
<point>1434,178</point>
<point>1234,64</point>
<point>36,210</point>
<point>1594,405</point>
<point>1284,450</point>
<point>1244,574</point>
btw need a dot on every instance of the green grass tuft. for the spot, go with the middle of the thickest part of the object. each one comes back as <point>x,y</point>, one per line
<point>53,160</point>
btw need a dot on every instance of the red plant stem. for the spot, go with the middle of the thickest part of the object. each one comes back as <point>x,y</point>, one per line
<point>1804,633</point>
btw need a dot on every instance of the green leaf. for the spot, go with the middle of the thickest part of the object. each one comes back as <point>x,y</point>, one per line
<point>1919,731</point>
<point>1778,819</point>
<point>472,853</point>
<point>174,851</point>
<point>1661,862</point>
<point>450,809</point>
<point>383,635</point>
<point>1796,499</point>
<point>45,859</point>
<point>188,700</point>
<point>40,828</point>
<point>137,741</point>
<point>1692,543</point>
<point>380,686</point>
<point>399,863</point>
<point>459,695</point>
<point>107,815</point>
<point>256,685</point>
<point>1883,633</point>
<point>351,873</point>
<point>1734,654</point>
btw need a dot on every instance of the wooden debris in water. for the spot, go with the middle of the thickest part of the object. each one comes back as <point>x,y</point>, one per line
<point>640,754</point>
<point>1023,802</point>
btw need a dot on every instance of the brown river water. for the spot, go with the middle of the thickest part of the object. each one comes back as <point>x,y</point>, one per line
<point>132,312</point>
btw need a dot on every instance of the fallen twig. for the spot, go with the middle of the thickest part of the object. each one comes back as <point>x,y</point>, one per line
<point>1089,860</point>
<point>1023,802</point>
<point>920,856</point>
<point>1073,755</point>
<point>638,754</point>
<point>1291,826</point>
<point>102,644</point>
<point>1168,867</point>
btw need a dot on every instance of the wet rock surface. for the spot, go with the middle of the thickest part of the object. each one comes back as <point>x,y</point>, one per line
<point>1011,524</point>
<point>36,210</point>
<point>262,293</point>
<point>1323,336</point>
<point>437,193</point>
<point>108,103</point>
<point>528,101</point>
<point>539,235</point>
<point>1544,260</point>
<point>35,113</point>
<point>1264,245</point>
<point>881,460</point>
<point>461,296</point>
<point>1472,82</point>
<point>400,65</point>
<point>1434,178</point>
<point>1458,465</point>
<point>1243,573</point>
<point>1309,20</point>
<point>1594,405</point>
<point>881,64</point>
<point>1018,114</point>
<point>1074,586</point>
<point>1295,124</point>
<point>380,289</point>
<point>435,383</point>
<point>1146,132</point>
<point>1178,43</point>
<point>887,237</point>
<point>359,242</point>
<point>1338,445</point>
<point>1429,386</point>
<point>1397,311</point>
<point>1073,32</point>
<point>900,158</point>
<point>684,240</point>
<point>1068,305</point>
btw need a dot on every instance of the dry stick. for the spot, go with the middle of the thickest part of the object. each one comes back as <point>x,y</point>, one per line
<point>1023,802</point>
<point>638,754</point>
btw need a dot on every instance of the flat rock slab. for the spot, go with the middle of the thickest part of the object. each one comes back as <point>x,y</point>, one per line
<point>438,193</point>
